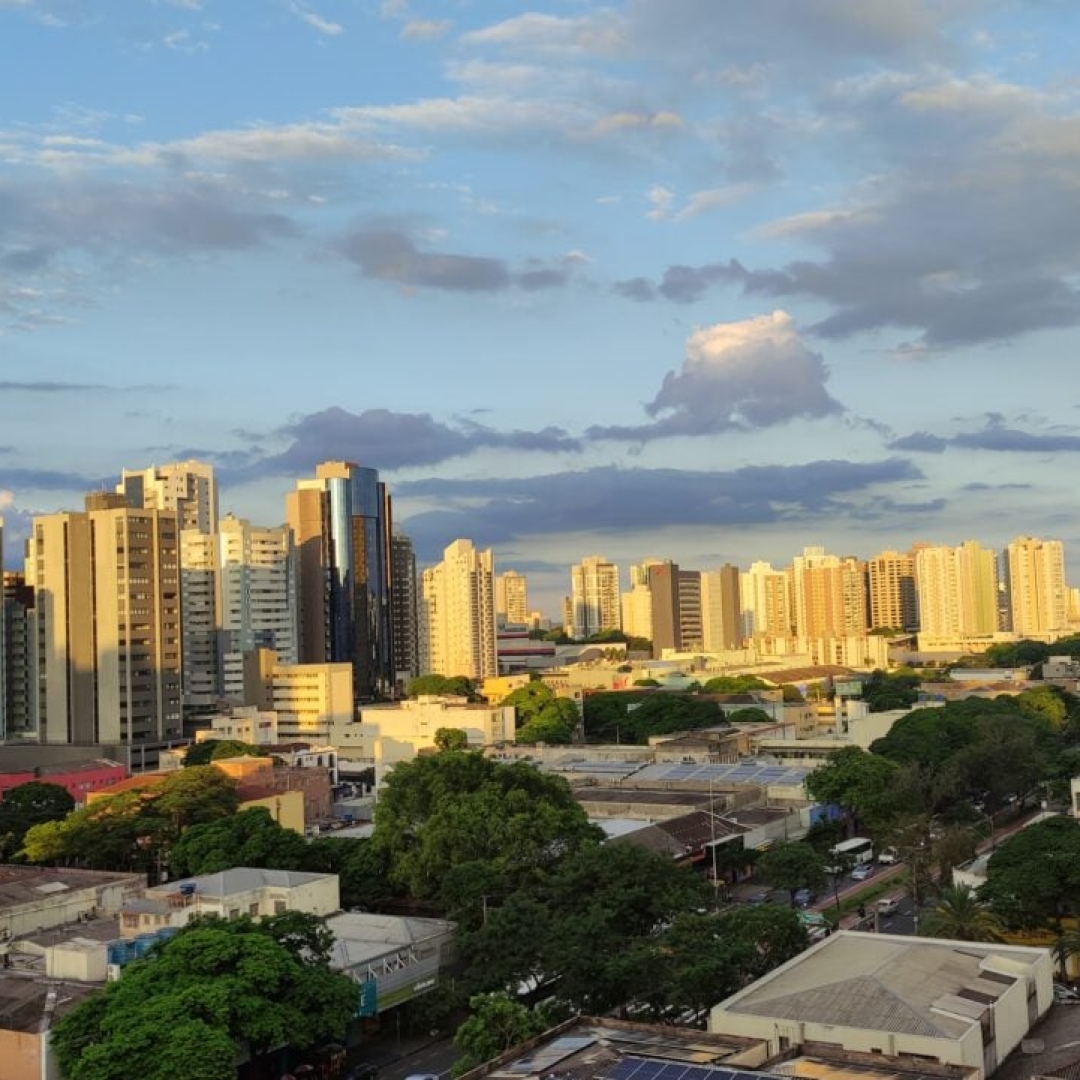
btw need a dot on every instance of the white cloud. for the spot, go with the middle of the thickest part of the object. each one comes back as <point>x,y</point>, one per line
<point>313,19</point>
<point>660,202</point>
<point>425,29</point>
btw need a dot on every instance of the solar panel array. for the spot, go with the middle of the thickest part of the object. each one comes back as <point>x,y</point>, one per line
<point>600,768</point>
<point>745,772</point>
<point>635,1068</point>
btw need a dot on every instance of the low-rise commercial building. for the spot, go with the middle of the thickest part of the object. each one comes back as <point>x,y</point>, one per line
<point>956,1003</point>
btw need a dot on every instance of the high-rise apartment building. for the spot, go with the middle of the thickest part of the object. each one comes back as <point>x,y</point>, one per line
<point>404,600</point>
<point>663,580</point>
<point>341,520</point>
<point>594,597</point>
<point>17,713</point>
<point>1035,583</point>
<point>199,617</point>
<point>720,609</point>
<point>187,488</point>
<point>637,602</point>
<point>891,588</point>
<point>511,599</point>
<point>106,623</point>
<point>766,598</point>
<point>957,590</point>
<point>457,614</point>
<point>829,595</point>
<point>256,598</point>
<point>691,631</point>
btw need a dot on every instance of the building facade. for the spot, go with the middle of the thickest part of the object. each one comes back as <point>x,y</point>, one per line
<point>106,624</point>
<point>594,597</point>
<point>457,614</point>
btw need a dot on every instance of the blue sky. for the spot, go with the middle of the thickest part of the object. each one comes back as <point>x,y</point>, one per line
<point>705,279</point>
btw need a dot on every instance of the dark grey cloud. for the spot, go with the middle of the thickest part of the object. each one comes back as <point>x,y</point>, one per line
<point>752,374</point>
<point>50,480</point>
<point>495,511</point>
<point>638,288</point>
<point>995,435</point>
<point>48,387</point>
<point>968,233</point>
<point>921,441</point>
<point>389,254</point>
<point>386,440</point>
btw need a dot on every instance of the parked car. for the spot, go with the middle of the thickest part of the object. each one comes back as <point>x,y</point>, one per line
<point>861,873</point>
<point>804,897</point>
<point>762,896</point>
<point>888,905</point>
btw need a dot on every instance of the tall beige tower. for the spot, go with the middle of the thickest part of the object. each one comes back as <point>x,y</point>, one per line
<point>829,595</point>
<point>457,614</point>
<point>594,597</point>
<point>187,488</point>
<point>512,599</point>
<point>891,585</point>
<point>766,598</point>
<point>720,609</point>
<point>1038,594</point>
<point>107,623</point>
<point>256,597</point>
<point>957,590</point>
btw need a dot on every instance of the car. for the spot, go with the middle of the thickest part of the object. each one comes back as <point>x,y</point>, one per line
<point>804,897</point>
<point>761,896</point>
<point>861,873</point>
<point>888,905</point>
<point>888,856</point>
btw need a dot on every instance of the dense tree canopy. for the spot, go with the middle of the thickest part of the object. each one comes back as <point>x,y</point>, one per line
<point>249,838</point>
<point>450,685</point>
<point>451,809</point>
<point>793,865</point>
<point>859,782</point>
<point>1033,879</point>
<point>886,690</point>
<point>27,805</point>
<point>210,750</point>
<point>734,684</point>
<point>590,927</point>
<point>135,829</point>
<point>219,986</point>
<point>542,716</point>
<point>635,716</point>
<point>448,738</point>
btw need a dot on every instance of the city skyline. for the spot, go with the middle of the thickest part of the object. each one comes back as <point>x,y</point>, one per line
<point>661,277</point>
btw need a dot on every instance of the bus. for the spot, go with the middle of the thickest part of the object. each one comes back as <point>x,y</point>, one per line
<point>858,851</point>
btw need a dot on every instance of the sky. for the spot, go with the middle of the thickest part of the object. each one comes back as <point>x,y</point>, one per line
<point>709,280</point>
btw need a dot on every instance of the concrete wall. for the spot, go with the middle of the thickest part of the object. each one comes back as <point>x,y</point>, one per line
<point>20,1053</point>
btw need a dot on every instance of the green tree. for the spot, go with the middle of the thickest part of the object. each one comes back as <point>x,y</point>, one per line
<point>452,685</point>
<point>859,782</point>
<point>211,750</point>
<point>636,716</point>
<point>498,1023</point>
<point>541,715</point>
<point>734,684</point>
<point>27,805</point>
<point>749,715</point>
<point>249,838</point>
<point>961,916</point>
<point>217,988</point>
<point>1033,878</point>
<point>793,865</point>
<point>135,829</point>
<point>451,739</point>
<point>444,809</point>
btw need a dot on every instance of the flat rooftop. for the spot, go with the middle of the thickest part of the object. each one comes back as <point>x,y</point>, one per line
<point>26,884</point>
<point>25,1000</point>
<point>885,982</point>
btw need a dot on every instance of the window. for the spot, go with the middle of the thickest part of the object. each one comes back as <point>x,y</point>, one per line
<point>279,907</point>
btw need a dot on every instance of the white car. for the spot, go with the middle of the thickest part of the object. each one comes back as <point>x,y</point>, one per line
<point>888,905</point>
<point>888,856</point>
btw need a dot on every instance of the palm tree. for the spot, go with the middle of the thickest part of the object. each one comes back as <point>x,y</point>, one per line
<point>1067,946</point>
<point>961,916</point>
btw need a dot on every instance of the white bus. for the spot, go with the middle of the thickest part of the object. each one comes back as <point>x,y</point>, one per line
<point>858,851</point>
